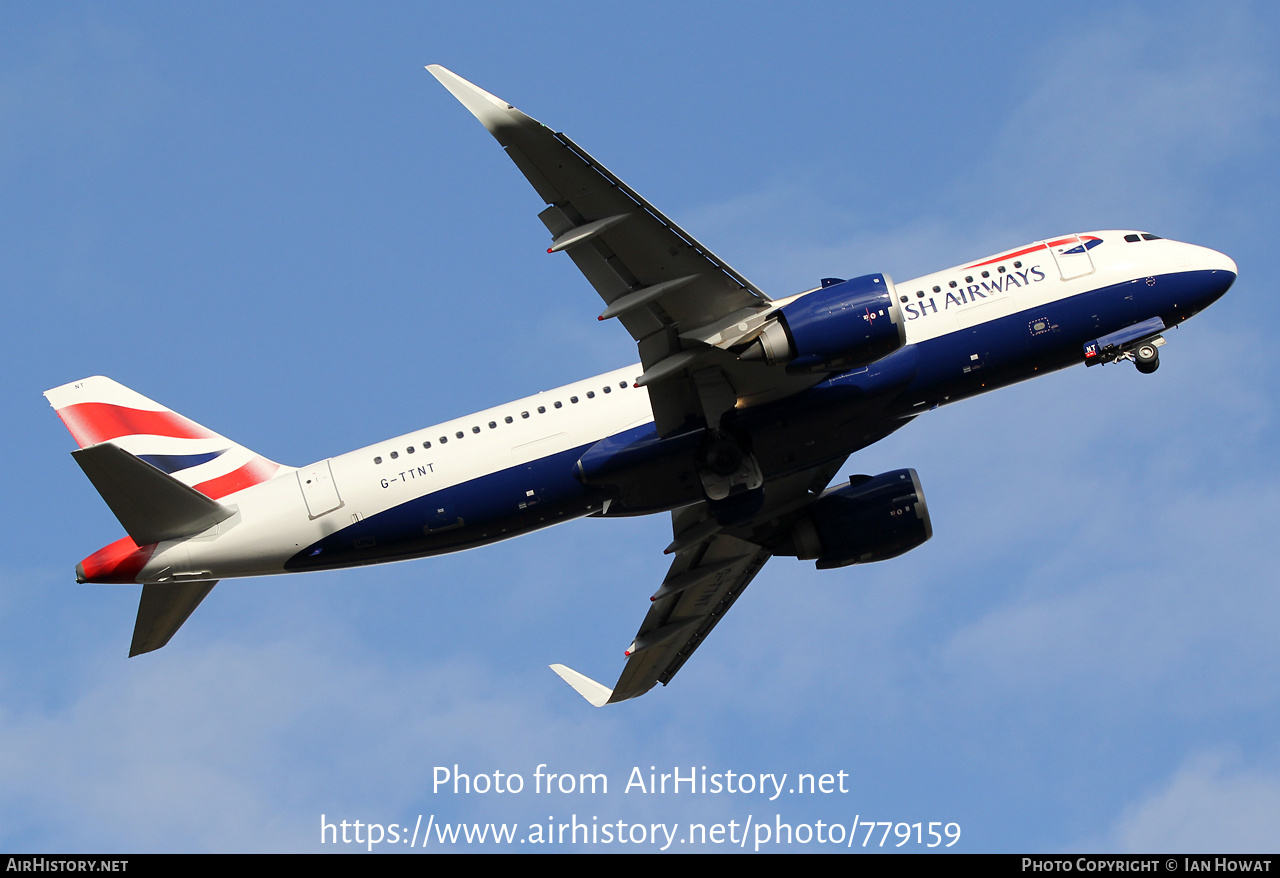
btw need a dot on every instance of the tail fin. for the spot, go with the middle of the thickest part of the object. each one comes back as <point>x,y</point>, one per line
<point>98,410</point>
<point>162,475</point>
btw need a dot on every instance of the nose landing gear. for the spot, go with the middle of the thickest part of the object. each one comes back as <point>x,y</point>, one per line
<point>1140,343</point>
<point>1146,357</point>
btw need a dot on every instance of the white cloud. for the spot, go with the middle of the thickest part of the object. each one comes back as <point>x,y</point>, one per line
<point>1122,125</point>
<point>1164,611</point>
<point>1211,804</point>
<point>1127,117</point>
<point>242,748</point>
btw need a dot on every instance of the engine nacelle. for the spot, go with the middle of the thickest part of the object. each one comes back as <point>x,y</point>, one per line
<point>845,325</point>
<point>870,519</point>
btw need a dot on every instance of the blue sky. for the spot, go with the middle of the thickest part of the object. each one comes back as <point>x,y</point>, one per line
<point>272,219</point>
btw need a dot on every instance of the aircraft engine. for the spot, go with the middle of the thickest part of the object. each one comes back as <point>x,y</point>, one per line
<point>846,324</point>
<point>872,518</point>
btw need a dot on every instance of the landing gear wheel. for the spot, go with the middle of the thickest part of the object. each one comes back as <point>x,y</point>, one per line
<point>1147,358</point>
<point>726,467</point>
<point>723,456</point>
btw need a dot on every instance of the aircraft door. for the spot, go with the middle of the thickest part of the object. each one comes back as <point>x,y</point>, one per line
<point>1072,257</point>
<point>319,489</point>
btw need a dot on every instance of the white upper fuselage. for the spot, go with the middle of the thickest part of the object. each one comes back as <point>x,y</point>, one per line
<point>277,518</point>
<point>980,291</point>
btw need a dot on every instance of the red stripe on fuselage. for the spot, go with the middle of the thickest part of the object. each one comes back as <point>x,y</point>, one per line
<point>94,422</point>
<point>1014,255</point>
<point>1032,249</point>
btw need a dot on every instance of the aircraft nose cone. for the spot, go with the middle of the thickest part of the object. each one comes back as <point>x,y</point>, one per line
<point>1222,262</point>
<point>1220,274</point>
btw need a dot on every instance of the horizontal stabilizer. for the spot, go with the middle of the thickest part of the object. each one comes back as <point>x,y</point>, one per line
<point>588,688</point>
<point>162,611</point>
<point>151,504</point>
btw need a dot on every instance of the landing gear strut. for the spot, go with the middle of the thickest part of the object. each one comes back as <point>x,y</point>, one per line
<point>730,476</point>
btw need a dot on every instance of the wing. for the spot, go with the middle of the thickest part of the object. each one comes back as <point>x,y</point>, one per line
<point>688,312</point>
<point>684,306</point>
<point>713,565</point>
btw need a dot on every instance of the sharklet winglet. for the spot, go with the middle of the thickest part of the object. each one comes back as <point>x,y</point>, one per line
<point>596,695</point>
<point>492,111</point>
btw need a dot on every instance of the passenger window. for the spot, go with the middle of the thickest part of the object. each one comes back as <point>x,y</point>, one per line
<point>986,274</point>
<point>394,455</point>
<point>444,440</point>
<point>475,429</point>
<point>608,390</point>
<point>936,289</point>
<point>493,425</point>
<point>458,434</point>
<point>411,449</point>
<point>542,409</point>
<point>573,399</point>
<point>591,394</point>
<point>426,445</point>
<point>953,285</point>
<point>524,414</point>
<point>1017,265</point>
<point>377,460</point>
<point>558,404</point>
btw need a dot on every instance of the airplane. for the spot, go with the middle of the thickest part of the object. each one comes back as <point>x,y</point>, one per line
<point>741,411</point>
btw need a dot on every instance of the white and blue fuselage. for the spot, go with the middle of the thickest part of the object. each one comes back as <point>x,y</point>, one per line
<point>736,420</point>
<point>515,468</point>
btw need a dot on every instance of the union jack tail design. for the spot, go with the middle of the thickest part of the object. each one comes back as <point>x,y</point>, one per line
<point>98,410</point>
<point>162,475</point>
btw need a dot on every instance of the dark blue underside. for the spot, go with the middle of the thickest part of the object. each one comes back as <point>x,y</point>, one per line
<point>833,419</point>
<point>504,504</point>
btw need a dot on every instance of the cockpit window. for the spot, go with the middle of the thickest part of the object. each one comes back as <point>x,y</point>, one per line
<point>1147,237</point>
<point>1132,239</point>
